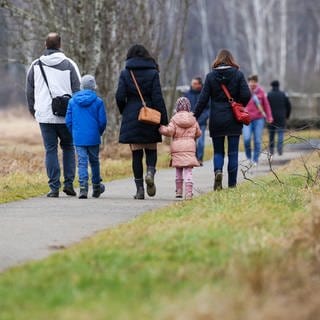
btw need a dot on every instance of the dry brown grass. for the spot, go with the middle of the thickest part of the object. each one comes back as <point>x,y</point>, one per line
<point>20,161</point>
<point>18,128</point>
<point>21,147</point>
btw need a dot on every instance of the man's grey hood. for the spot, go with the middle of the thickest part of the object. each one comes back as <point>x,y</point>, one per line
<point>53,59</point>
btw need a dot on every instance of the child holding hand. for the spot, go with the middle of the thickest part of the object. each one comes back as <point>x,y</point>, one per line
<point>184,129</point>
<point>86,119</point>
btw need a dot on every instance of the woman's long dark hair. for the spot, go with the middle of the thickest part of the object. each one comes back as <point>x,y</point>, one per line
<point>139,51</point>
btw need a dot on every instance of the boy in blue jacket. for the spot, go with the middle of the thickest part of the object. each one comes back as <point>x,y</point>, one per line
<point>86,120</point>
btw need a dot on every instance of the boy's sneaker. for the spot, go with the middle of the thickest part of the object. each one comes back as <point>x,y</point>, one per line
<point>83,193</point>
<point>98,189</point>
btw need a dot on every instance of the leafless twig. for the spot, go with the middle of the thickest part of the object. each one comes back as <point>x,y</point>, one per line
<point>269,157</point>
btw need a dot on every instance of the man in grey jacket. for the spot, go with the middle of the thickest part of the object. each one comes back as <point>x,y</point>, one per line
<point>63,77</point>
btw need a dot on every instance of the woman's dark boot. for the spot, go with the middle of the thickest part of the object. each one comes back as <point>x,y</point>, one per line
<point>218,181</point>
<point>151,187</point>
<point>140,189</point>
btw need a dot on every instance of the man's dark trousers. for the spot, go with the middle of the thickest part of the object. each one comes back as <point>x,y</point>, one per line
<point>51,135</point>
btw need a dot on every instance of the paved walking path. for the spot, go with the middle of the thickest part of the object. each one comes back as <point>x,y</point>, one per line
<point>33,229</point>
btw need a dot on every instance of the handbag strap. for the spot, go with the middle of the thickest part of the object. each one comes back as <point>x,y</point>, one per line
<point>138,88</point>
<point>227,93</point>
<point>44,77</point>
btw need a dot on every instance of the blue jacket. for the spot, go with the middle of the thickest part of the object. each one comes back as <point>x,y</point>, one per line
<point>86,118</point>
<point>132,130</point>
<point>193,97</point>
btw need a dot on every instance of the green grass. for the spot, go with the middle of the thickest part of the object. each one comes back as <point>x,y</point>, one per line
<point>157,266</point>
<point>18,186</point>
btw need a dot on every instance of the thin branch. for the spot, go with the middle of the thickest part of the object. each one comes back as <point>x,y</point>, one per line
<point>245,177</point>
<point>269,157</point>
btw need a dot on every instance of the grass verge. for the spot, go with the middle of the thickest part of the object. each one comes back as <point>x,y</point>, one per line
<point>23,173</point>
<point>249,253</point>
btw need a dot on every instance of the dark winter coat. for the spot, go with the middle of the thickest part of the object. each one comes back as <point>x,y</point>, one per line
<point>86,118</point>
<point>222,121</point>
<point>280,106</point>
<point>129,104</point>
<point>193,97</point>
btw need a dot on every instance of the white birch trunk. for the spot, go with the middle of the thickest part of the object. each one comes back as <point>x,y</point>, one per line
<point>206,46</point>
<point>283,42</point>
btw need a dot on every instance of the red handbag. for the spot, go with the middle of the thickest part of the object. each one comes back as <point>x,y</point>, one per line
<point>238,109</point>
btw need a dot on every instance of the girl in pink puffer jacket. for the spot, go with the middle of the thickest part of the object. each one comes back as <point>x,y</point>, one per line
<point>184,129</point>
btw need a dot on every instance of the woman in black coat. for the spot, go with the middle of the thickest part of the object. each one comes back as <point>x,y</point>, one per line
<point>141,137</point>
<point>222,121</point>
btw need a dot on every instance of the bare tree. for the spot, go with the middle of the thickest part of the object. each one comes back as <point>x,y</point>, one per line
<point>97,35</point>
<point>275,38</point>
<point>283,42</point>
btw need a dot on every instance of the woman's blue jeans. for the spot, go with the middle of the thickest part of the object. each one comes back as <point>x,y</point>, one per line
<point>233,152</point>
